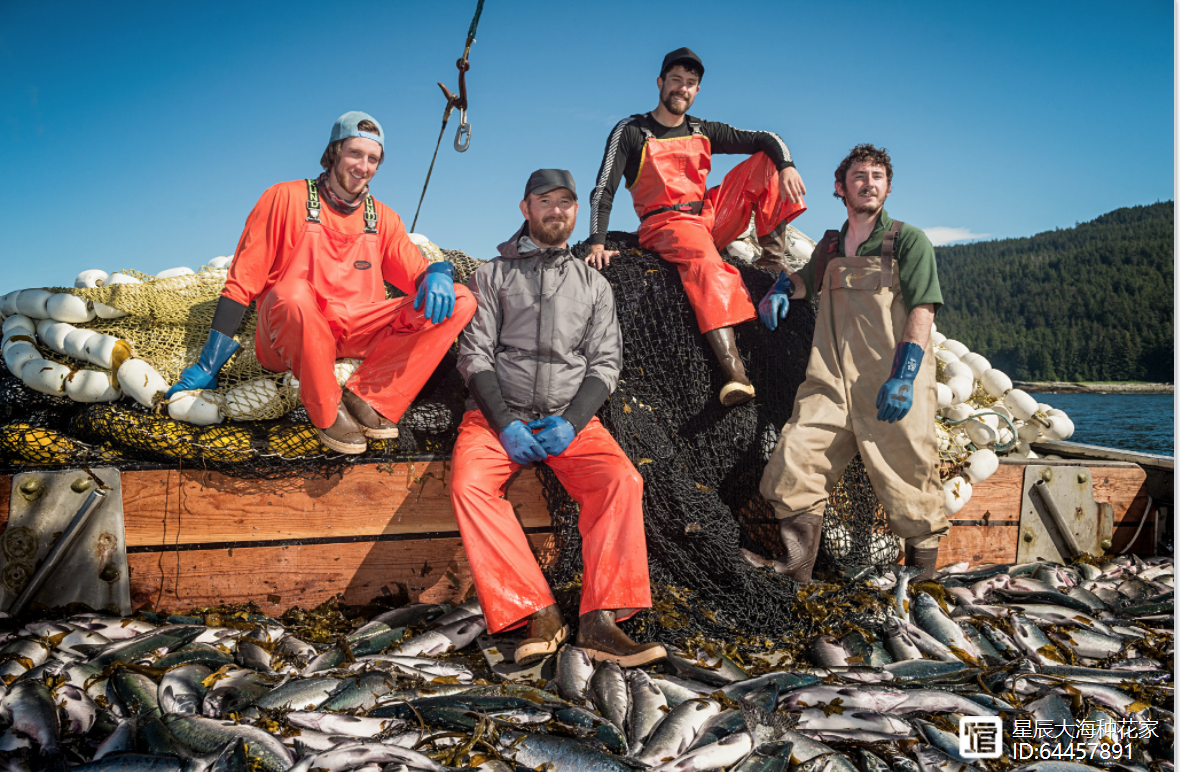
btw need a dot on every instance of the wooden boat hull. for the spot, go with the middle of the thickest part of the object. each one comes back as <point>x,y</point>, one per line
<point>198,538</point>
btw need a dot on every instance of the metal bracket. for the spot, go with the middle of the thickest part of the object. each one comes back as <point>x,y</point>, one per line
<point>92,567</point>
<point>1059,518</point>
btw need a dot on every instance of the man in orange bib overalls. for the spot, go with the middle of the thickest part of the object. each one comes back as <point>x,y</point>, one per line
<point>315,255</point>
<point>665,158</point>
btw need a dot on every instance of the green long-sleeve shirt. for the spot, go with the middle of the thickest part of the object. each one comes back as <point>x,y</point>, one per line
<point>917,268</point>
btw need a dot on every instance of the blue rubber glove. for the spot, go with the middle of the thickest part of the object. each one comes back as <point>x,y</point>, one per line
<point>555,433</point>
<point>896,396</point>
<point>203,375</point>
<point>438,291</point>
<point>773,308</point>
<point>520,444</point>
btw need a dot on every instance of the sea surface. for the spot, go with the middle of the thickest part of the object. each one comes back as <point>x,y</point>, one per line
<point>1139,422</point>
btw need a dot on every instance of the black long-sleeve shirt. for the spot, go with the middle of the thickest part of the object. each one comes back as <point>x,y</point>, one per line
<point>624,150</point>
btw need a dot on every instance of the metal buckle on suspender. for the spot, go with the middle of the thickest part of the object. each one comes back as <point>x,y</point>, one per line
<point>370,215</point>
<point>313,202</point>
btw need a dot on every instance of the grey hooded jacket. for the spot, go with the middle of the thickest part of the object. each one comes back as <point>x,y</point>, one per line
<point>544,323</point>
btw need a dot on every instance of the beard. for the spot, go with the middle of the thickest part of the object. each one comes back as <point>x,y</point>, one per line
<point>553,231</point>
<point>347,183</point>
<point>676,108</point>
<point>868,206</point>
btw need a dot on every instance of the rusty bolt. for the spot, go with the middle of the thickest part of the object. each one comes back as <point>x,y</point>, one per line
<point>108,574</point>
<point>1082,478</point>
<point>1047,475</point>
<point>1028,536</point>
<point>81,485</point>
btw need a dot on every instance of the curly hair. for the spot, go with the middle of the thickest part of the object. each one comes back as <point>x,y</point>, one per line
<point>864,154</point>
<point>332,151</point>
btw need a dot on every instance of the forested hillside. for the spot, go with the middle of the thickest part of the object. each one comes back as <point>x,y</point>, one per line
<point>1090,303</point>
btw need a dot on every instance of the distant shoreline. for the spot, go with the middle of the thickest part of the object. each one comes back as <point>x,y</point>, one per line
<point>1067,387</point>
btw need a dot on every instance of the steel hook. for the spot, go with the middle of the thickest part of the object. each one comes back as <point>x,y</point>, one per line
<point>463,133</point>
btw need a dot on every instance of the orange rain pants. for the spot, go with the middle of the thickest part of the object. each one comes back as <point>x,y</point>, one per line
<point>330,304</point>
<point>673,171</point>
<point>598,475</point>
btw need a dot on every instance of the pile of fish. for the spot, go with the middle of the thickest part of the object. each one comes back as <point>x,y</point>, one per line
<point>1042,646</point>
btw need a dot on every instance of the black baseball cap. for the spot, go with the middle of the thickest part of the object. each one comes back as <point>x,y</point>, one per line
<point>545,180</point>
<point>681,56</point>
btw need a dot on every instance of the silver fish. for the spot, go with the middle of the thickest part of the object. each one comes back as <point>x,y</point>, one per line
<point>647,707</point>
<point>676,732</point>
<point>574,669</point>
<point>608,690</point>
<point>181,689</point>
<point>450,637</point>
<point>724,753</point>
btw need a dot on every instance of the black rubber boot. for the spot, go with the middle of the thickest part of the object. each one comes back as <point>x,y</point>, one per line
<point>724,345</point>
<point>922,557</point>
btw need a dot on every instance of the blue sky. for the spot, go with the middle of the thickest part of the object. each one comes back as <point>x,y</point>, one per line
<point>140,135</point>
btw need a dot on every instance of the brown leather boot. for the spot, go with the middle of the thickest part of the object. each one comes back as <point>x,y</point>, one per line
<point>345,435</point>
<point>800,535</point>
<point>774,249</point>
<point>724,344</point>
<point>374,425</point>
<point>547,631</point>
<point>922,557</point>
<point>603,640</point>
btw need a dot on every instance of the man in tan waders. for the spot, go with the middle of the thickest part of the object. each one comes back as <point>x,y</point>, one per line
<point>870,384</point>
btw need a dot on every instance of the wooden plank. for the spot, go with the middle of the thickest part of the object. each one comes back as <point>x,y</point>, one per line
<point>997,497</point>
<point>978,544</point>
<point>278,578</point>
<point>166,508</point>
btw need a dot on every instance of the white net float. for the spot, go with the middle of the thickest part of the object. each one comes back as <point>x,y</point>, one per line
<point>182,270</point>
<point>64,307</point>
<point>140,381</point>
<point>246,401</point>
<point>106,351</point>
<point>1022,405</point>
<point>956,493</point>
<point>54,336</point>
<point>45,376</point>
<point>31,303</point>
<point>76,343</point>
<point>979,365</point>
<point>18,355</point>
<point>220,262</point>
<point>19,322</point>
<point>944,355</point>
<point>980,433</point>
<point>980,465</point>
<point>957,412</point>
<point>91,278</point>
<point>962,388</point>
<point>944,395</point>
<point>1060,428</point>
<point>957,370</point>
<point>196,408</point>
<point>8,303</point>
<point>956,348</point>
<point>91,386</point>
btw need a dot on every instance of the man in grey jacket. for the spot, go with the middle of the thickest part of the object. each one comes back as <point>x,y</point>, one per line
<point>541,355</point>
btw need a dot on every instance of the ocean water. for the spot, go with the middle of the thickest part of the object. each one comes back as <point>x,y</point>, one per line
<point>1139,422</point>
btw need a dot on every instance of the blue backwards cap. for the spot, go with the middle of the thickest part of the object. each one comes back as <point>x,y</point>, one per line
<point>346,126</point>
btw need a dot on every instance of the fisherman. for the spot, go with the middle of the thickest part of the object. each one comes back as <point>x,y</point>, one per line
<point>540,357</point>
<point>870,384</point>
<point>316,254</point>
<point>665,157</point>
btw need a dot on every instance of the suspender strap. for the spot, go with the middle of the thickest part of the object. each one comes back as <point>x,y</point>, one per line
<point>370,215</point>
<point>694,125</point>
<point>313,202</point>
<point>689,207</point>
<point>824,251</point>
<point>888,252</point>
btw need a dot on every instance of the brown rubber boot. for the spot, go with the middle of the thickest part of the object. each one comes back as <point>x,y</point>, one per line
<point>922,557</point>
<point>547,631</point>
<point>774,249</point>
<point>604,641</point>
<point>800,535</point>
<point>345,435</point>
<point>724,344</point>
<point>374,425</point>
